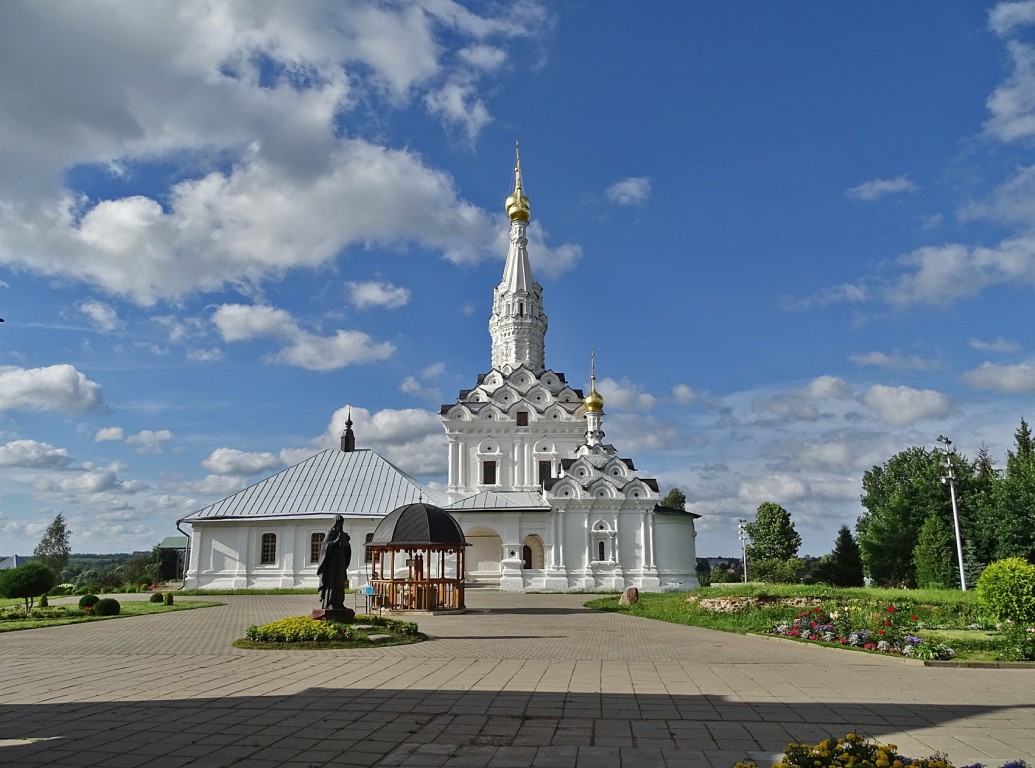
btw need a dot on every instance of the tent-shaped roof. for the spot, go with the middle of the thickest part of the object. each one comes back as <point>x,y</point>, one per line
<point>358,483</point>
<point>418,525</point>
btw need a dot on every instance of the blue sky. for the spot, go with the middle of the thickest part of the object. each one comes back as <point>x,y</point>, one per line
<point>798,236</point>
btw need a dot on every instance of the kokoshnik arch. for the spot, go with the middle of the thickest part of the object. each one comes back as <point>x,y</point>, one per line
<point>543,501</point>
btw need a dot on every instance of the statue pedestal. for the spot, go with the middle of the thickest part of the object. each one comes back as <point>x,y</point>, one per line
<point>333,614</point>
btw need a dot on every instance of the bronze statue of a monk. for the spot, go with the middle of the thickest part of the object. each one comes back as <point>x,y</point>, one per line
<point>334,568</point>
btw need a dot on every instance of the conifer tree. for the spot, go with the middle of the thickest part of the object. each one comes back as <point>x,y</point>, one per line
<point>844,568</point>
<point>934,554</point>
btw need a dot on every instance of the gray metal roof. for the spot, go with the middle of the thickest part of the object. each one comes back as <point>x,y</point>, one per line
<point>498,500</point>
<point>357,483</point>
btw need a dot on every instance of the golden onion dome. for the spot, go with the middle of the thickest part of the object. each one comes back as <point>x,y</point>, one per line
<point>594,401</point>
<point>517,204</point>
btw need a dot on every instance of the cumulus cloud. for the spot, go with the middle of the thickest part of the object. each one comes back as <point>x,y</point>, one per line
<point>149,441</point>
<point>265,94</point>
<point>101,483</point>
<point>365,295</point>
<point>785,408</point>
<point>894,360</point>
<point>1012,104</point>
<point>779,488</point>
<point>103,316</point>
<point>411,386</point>
<point>899,406</point>
<point>996,345</point>
<point>1009,379</point>
<point>108,433</point>
<point>625,395</point>
<point>1003,18</point>
<point>634,190</point>
<point>30,454</point>
<point>874,189</point>
<point>230,461</point>
<point>412,438</point>
<point>54,388</point>
<point>240,322</point>
<point>683,394</point>
<point>824,387</point>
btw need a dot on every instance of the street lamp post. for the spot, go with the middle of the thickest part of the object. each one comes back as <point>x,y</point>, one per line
<point>950,480</point>
<point>742,530</point>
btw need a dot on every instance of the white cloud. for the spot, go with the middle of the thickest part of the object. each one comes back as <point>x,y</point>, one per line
<point>411,386</point>
<point>457,103</point>
<point>216,485</point>
<point>210,355</point>
<point>899,406</point>
<point>782,489</point>
<point>785,408</point>
<point>625,395</point>
<point>30,454</point>
<point>895,360</point>
<point>54,388</point>
<point>411,438</point>
<point>1012,104</point>
<point>996,345</point>
<point>434,370</point>
<point>483,56</point>
<point>1009,379</point>
<point>239,322</point>
<point>149,441</point>
<point>828,387</point>
<point>1005,16</point>
<point>230,461</point>
<point>377,294</point>
<point>874,189</point>
<point>102,315</point>
<point>845,293</point>
<point>634,190</point>
<point>101,483</point>
<point>683,394</point>
<point>262,96</point>
<point>108,433</point>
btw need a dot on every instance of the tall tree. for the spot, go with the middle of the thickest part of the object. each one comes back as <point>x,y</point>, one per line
<point>898,496</point>
<point>844,567</point>
<point>54,548</point>
<point>935,553</point>
<point>1015,500</point>
<point>772,534</point>
<point>674,499</point>
<point>980,535</point>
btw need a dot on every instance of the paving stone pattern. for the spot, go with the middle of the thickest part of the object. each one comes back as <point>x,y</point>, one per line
<point>521,680</point>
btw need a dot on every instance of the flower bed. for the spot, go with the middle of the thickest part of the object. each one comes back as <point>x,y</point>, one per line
<point>304,630</point>
<point>882,629</point>
<point>853,750</point>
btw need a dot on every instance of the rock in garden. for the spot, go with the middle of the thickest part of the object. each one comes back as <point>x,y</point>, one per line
<point>630,596</point>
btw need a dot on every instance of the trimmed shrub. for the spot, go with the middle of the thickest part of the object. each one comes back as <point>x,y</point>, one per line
<point>168,598</point>
<point>1006,590</point>
<point>107,606</point>
<point>297,629</point>
<point>88,601</point>
<point>44,603</point>
<point>63,589</point>
<point>156,597</point>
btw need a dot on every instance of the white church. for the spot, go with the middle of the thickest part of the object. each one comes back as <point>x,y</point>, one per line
<point>544,503</point>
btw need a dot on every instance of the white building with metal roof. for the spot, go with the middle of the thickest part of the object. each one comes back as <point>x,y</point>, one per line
<point>544,503</point>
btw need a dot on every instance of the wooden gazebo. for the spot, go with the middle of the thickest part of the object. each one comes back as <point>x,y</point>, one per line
<point>417,560</point>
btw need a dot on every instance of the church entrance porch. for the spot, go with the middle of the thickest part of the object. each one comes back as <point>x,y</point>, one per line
<point>484,557</point>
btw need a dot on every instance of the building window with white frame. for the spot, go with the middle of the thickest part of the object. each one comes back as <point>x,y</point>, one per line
<point>315,545</point>
<point>489,472</point>
<point>268,549</point>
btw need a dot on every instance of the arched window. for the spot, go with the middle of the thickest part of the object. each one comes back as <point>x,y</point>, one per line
<point>315,545</point>
<point>526,556</point>
<point>268,549</point>
<point>600,551</point>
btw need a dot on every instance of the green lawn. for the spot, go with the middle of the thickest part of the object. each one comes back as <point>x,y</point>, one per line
<point>73,616</point>
<point>945,614</point>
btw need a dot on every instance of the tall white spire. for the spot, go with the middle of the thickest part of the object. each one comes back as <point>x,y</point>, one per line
<point>517,324</point>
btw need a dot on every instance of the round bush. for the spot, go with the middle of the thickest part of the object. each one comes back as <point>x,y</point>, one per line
<point>1006,590</point>
<point>88,601</point>
<point>109,606</point>
<point>156,597</point>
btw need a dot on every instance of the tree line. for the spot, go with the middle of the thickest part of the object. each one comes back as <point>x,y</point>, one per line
<point>905,535</point>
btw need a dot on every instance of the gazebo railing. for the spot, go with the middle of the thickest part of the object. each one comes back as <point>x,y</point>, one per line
<point>418,595</point>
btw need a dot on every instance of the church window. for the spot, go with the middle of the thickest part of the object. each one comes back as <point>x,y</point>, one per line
<point>521,308</point>
<point>526,556</point>
<point>522,418</point>
<point>636,494</point>
<point>489,472</point>
<point>368,553</point>
<point>555,415</point>
<point>315,544</point>
<point>545,471</point>
<point>601,554</point>
<point>268,549</point>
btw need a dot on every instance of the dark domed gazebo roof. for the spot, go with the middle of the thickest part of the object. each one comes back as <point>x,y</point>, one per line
<point>418,525</point>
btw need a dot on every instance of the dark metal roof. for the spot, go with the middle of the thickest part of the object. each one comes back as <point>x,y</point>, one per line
<point>418,524</point>
<point>660,510</point>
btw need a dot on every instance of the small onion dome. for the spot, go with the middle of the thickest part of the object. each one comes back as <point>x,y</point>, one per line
<point>594,401</point>
<point>517,203</point>
<point>418,524</point>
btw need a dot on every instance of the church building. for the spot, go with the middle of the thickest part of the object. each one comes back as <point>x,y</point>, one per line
<point>544,503</point>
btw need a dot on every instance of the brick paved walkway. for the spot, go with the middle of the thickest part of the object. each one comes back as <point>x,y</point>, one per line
<point>522,680</point>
